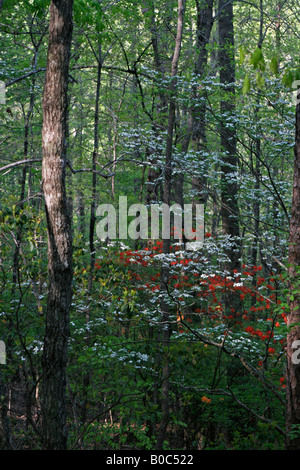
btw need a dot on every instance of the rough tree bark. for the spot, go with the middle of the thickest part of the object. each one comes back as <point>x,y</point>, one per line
<point>293,318</point>
<point>54,358</point>
<point>229,210</point>
<point>204,27</point>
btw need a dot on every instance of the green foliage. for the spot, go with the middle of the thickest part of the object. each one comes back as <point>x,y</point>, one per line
<point>274,66</point>
<point>246,85</point>
<point>257,59</point>
<point>116,353</point>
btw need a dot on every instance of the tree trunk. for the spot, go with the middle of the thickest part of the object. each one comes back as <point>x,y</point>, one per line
<point>160,115</point>
<point>293,318</point>
<point>87,376</point>
<point>204,27</point>
<point>54,358</point>
<point>166,242</point>
<point>256,169</point>
<point>27,119</point>
<point>229,210</point>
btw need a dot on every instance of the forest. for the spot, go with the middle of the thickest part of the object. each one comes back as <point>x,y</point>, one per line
<point>122,329</point>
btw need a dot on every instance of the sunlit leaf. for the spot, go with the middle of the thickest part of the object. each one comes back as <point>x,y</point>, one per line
<point>246,85</point>
<point>274,66</point>
<point>257,59</point>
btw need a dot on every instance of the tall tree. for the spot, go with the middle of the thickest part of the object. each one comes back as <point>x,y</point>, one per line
<point>166,242</point>
<point>58,226</point>
<point>159,46</point>
<point>93,207</point>
<point>204,27</point>
<point>229,210</point>
<point>293,318</point>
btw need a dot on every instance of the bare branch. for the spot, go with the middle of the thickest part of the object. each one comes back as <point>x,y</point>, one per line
<point>16,80</point>
<point>21,162</point>
<point>88,170</point>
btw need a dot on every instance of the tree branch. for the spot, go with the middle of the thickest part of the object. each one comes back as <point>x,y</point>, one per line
<point>21,162</point>
<point>16,80</point>
<point>88,170</point>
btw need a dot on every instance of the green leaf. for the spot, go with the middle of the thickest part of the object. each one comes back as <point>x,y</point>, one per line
<point>242,55</point>
<point>257,59</point>
<point>288,78</point>
<point>274,66</point>
<point>246,85</point>
<point>259,80</point>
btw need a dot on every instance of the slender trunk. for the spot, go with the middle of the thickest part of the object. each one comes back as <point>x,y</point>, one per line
<point>153,185</point>
<point>229,210</point>
<point>204,27</point>
<point>18,241</point>
<point>27,119</point>
<point>116,140</point>
<point>94,177</point>
<point>166,242</point>
<point>80,193</point>
<point>54,360</point>
<point>186,130</point>
<point>293,318</point>
<point>256,170</point>
<point>87,376</point>
<point>256,211</point>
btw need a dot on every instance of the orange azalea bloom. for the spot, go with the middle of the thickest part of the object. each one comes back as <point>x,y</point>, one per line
<point>206,400</point>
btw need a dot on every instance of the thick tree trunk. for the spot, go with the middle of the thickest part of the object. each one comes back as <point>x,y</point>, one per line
<point>229,211</point>
<point>293,318</point>
<point>58,226</point>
